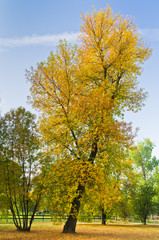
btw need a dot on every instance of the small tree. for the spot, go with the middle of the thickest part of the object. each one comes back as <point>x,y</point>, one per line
<point>143,200</point>
<point>19,165</point>
<point>142,197</point>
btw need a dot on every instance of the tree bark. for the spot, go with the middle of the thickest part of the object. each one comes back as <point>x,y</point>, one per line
<point>103,217</point>
<point>144,221</point>
<point>70,225</point>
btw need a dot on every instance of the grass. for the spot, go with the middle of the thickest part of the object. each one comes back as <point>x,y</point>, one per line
<point>48,231</point>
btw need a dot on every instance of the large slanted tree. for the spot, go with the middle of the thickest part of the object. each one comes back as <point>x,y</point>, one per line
<point>81,92</point>
<point>19,166</point>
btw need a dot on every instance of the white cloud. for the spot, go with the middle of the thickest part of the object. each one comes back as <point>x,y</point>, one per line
<point>45,40</point>
<point>53,39</point>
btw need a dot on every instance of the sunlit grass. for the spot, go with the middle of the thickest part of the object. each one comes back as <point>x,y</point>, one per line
<point>49,231</point>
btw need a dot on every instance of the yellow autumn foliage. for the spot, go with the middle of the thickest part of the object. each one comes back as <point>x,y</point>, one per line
<point>81,93</point>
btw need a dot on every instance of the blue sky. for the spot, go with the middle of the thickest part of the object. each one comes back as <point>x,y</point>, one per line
<point>30,29</point>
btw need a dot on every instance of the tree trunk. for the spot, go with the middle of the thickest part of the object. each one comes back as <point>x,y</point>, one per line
<point>103,217</point>
<point>144,221</point>
<point>23,229</point>
<point>70,225</point>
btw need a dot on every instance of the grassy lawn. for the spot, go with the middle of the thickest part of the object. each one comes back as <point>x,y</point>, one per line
<point>48,231</point>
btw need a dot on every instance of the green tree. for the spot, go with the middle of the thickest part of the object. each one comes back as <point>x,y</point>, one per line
<point>142,154</point>
<point>128,177</point>
<point>19,165</point>
<point>82,92</point>
<point>145,189</point>
<point>156,186</point>
<point>143,200</point>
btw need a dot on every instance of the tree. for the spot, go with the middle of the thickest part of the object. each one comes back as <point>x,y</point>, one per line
<point>104,193</point>
<point>121,178</point>
<point>124,208</point>
<point>156,187</point>
<point>145,189</point>
<point>19,161</point>
<point>82,92</point>
<point>143,200</point>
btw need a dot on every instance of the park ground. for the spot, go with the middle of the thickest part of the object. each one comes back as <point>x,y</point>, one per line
<point>49,231</point>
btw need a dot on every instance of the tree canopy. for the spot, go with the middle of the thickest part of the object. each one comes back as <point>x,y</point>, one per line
<point>82,92</point>
<point>146,165</point>
<point>19,161</point>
